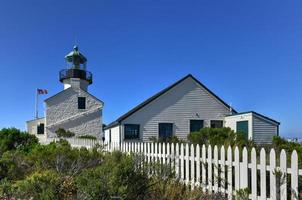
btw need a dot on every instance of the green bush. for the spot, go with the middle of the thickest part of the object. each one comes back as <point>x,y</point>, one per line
<point>218,136</point>
<point>62,133</point>
<point>29,170</point>
<point>60,156</point>
<point>39,185</point>
<point>91,137</point>
<point>116,176</point>
<point>6,189</point>
<point>172,139</point>
<point>280,143</point>
<point>14,165</point>
<point>13,139</point>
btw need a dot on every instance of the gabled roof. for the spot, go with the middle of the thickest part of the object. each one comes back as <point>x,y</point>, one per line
<point>92,96</point>
<point>146,102</point>
<point>35,119</point>
<point>257,114</point>
<point>63,91</point>
<point>70,88</point>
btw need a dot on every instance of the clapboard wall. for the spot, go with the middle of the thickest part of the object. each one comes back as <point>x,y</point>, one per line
<point>186,101</point>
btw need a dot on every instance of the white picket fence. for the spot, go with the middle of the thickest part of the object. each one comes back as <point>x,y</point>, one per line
<point>224,170</point>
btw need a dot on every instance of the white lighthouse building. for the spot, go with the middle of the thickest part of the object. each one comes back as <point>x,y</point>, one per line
<point>74,109</point>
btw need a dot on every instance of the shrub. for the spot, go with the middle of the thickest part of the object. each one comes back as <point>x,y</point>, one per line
<point>60,156</point>
<point>13,139</point>
<point>14,165</point>
<point>175,190</point>
<point>6,189</point>
<point>172,139</point>
<point>116,176</point>
<point>217,136</point>
<point>39,185</point>
<point>62,133</point>
<point>91,137</point>
<point>280,143</point>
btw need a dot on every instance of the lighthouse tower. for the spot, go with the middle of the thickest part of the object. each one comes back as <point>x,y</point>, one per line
<point>76,75</point>
<point>74,109</point>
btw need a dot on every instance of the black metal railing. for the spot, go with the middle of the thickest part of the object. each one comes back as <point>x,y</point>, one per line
<point>75,73</point>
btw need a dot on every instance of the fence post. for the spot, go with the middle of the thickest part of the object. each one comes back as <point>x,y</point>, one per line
<point>127,147</point>
<point>168,157</point>
<point>192,166</point>
<point>254,173</point>
<point>172,156</point>
<point>187,164</point>
<point>143,148</point>
<point>294,175</point>
<point>182,166</point>
<point>164,153</point>
<point>216,166</point>
<point>283,187</point>
<point>148,152</point>
<point>145,152</point>
<point>160,153</point>
<point>136,147</point>
<point>222,172</point>
<point>262,174</point>
<point>272,175</point>
<point>176,160</point>
<point>230,173</point>
<point>152,157</point>
<point>237,169</point>
<point>132,145</point>
<point>244,169</point>
<point>155,153</point>
<point>197,165</point>
<point>203,164</point>
<point>210,176</point>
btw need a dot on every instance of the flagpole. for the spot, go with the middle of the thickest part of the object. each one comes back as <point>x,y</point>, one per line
<point>36,105</point>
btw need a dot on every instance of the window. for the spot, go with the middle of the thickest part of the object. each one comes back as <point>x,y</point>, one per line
<point>81,102</point>
<point>243,127</point>
<point>165,130</point>
<point>195,125</point>
<point>40,128</point>
<point>216,123</point>
<point>131,131</point>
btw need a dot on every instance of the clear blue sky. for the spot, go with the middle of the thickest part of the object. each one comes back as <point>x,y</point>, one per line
<point>248,52</point>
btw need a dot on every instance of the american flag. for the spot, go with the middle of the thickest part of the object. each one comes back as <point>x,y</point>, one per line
<point>42,91</point>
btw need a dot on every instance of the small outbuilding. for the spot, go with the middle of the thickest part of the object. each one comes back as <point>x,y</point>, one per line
<point>256,127</point>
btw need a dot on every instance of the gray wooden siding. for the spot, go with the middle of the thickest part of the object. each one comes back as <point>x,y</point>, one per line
<point>263,131</point>
<point>185,101</point>
<point>62,112</point>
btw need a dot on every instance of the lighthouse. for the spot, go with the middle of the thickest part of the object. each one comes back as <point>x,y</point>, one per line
<point>73,109</point>
<point>76,74</point>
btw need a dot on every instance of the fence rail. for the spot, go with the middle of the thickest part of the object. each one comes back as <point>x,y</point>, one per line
<point>225,170</point>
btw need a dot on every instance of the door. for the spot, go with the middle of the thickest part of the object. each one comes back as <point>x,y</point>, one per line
<point>243,127</point>
<point>165,130</point>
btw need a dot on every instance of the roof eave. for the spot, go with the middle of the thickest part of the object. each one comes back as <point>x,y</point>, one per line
<point>258,114</point>
<point>149,100</point>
